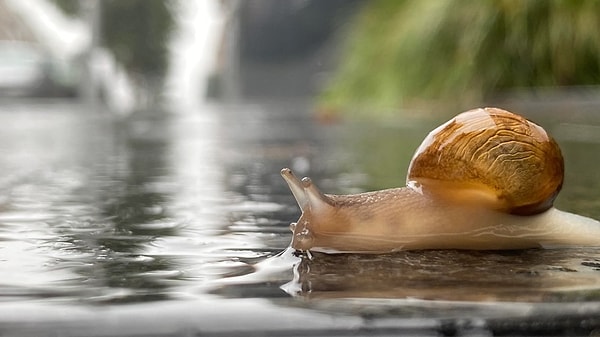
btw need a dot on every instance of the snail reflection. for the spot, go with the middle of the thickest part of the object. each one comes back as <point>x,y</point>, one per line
<point>532,275</point>
<point>485,180</point>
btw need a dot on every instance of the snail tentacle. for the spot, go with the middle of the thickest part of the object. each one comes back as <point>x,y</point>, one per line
<point>296,187</point>
<point>307,195</point>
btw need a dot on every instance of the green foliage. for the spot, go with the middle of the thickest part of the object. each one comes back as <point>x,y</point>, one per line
<point>71,7</point>
<point>137,31</point>
<point>401,53</point>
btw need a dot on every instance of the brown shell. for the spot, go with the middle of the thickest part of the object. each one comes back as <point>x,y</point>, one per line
<point>490,156</point>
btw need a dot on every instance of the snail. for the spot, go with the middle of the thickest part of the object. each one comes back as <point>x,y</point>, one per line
<point>484,180</point>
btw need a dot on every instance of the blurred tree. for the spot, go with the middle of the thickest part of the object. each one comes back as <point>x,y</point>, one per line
<point>401,53</point>
<point>137,31</point>
<point>70,7</point>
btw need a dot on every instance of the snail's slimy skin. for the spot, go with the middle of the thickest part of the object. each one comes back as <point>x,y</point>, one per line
<point>406,218</point>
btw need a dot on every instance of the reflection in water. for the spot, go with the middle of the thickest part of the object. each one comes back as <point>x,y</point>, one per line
<point>135,215</point>
<point>107,212</point>
<point>531,276</point>
<point>92,189</point>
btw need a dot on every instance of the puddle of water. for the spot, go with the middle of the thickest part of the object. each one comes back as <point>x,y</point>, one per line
<point>173,216</point>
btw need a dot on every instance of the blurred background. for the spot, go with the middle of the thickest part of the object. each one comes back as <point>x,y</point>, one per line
<point>353,57</point>
<point>141,143</point>
<point>130,55</point>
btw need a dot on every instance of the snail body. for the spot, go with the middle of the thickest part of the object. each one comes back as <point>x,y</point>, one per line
<point>484,180</point>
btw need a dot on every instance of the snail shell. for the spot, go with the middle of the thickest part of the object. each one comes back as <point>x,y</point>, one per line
<point>492,156</point>
<point>486,179</point>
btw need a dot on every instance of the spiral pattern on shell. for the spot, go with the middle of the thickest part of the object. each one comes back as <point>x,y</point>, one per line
<point>490,154</point>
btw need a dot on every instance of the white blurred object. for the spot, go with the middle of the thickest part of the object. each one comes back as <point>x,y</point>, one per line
<point>301,165</point>
<point>69,42</point>
<point>193,51</point>
<point>112,81</point>
<point>22,67</point>
<point>63,36</point>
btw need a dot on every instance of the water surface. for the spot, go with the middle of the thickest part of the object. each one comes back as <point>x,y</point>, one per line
<point>105,224</point>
